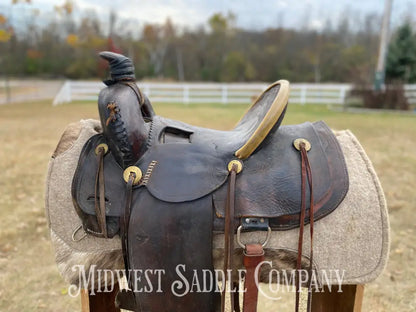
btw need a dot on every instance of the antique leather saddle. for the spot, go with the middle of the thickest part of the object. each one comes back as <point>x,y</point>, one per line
<point>165,187</point>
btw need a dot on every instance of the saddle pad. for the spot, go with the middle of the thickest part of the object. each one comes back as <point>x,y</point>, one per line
<point>354,237</point>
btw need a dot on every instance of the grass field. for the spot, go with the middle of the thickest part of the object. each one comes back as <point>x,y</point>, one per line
<point>29,132</point>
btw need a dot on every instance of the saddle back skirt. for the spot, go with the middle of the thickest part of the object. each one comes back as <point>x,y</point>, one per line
<point>169,194</point>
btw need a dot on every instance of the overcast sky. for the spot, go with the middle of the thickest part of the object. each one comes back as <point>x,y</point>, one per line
<point>251,14</point>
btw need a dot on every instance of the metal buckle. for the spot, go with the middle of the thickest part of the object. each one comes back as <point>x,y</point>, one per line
<point>269,233</point>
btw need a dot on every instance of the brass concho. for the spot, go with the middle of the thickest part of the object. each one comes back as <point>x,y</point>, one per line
<point>236,162</point>
<point>136,171</point>
<point>99,146</point>
<point>297,142</point>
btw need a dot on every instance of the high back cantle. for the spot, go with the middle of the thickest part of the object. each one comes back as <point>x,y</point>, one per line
<point>165,187</point>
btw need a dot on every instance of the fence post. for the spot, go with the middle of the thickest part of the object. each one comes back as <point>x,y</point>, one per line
<point>64,94</point>
<point>186,94</point>
<point>147,90</point>
<point>342,95</point>
<point>224,94</point>
<point>303,95</point>
<point>69,91</point>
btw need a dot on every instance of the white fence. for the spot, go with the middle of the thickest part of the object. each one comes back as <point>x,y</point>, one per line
<point>24,90</point>
<point>410,92</point>
<point>225,93</point>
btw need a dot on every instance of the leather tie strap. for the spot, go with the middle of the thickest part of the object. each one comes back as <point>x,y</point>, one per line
<point>229,236</point>
<point>311,223</point>
<point>306,172</point>
<point>136,90</point>
<point>124,222</point>
<point>99,194</point>
<point>253,256</point>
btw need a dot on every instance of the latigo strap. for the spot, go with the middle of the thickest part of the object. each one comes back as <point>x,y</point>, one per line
<point>253,256</point>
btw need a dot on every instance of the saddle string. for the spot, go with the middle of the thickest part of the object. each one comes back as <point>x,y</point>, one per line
<point>99,194</point>
<point>124,224</point>
<point>229,237</point>
<point>112,116</point>
<point>136,90</point>
<point>306,173</point>
<point>311,223</point>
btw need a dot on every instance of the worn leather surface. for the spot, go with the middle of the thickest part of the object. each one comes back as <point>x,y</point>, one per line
<point>83,188</point>
<point>125,136</point>
<point>164,235</point>
<point>175,210</point>
<point>192,161</point>
<point>268,186</point>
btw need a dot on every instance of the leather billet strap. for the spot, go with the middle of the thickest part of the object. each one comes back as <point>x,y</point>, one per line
<point>306,173</point>
<point>253,256</point>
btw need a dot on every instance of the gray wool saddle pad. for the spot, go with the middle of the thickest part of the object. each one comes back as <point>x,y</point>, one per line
<point>354,238</point>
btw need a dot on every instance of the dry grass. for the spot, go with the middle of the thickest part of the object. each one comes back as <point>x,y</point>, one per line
<point>29,132</point>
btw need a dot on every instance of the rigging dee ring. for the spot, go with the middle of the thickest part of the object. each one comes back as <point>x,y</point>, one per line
<point>269,234</point>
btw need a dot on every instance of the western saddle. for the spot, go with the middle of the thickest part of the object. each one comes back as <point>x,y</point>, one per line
<point>166,187</point>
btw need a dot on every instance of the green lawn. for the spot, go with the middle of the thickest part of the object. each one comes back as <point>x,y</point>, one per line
<point>29,133</point>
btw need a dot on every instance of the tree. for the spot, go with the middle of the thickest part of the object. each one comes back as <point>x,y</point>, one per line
<point>401,59</point>
<point>237,68</point>
<point>157,40</point>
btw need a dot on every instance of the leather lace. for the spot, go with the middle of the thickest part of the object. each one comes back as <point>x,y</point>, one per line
<point>306,173</point>
<point>99,194</point>
<point>229,236</point>
<point>124,223</point>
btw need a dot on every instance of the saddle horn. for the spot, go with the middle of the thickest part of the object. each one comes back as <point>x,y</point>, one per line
<point>124,111</point>
<point>121,67</point>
